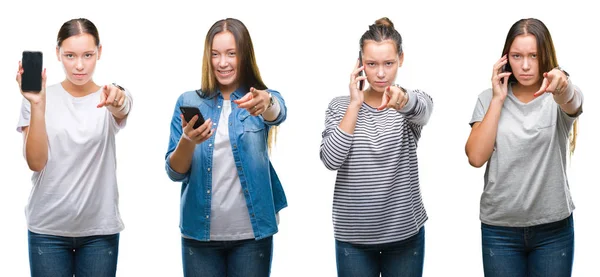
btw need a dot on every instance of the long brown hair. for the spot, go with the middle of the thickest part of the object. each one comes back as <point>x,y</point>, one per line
<point>545,51</point>
<point>248,73</point>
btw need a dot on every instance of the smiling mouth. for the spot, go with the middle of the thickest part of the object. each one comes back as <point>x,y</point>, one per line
<point>224,72</point>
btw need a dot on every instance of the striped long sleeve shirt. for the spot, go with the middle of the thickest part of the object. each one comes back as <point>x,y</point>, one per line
<point>377,198</point>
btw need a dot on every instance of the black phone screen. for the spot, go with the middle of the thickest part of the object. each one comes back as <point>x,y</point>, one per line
<point>190,112</point>
<point>31,79</point>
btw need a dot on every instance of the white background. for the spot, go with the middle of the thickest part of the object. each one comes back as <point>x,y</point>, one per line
<point>305,50</point>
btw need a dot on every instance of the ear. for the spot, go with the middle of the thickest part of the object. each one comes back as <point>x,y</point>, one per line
<point>99,51</point>
<point>58,53</point>
<point>401,60</point>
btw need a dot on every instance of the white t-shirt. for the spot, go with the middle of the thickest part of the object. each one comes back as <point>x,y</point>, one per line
<point>229,214</point>
<point>76,193</point>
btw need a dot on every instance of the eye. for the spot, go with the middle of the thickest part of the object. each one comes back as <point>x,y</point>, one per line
<point>231,54</point>
<point>370,64</point>
<point>69,56</point>
<point>88,55</point>
<point>389,63</point>
<point>214,54</point>
<point>516,56</point>
<point>534,56</point>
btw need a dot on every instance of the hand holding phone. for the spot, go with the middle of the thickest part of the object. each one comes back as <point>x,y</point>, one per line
<point>361,83</point>
<point>31,71</point>
<point>189,112</point>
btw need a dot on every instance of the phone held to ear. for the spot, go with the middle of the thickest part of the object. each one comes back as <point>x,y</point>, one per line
<point>361,83</point>
<point>505,68</point>
<point>189,112</point>
<point>31,79</point>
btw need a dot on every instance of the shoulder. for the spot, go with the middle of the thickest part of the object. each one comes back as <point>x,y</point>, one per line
<point>191,95</point>
<point>339,102</point>
<point>485,96</point>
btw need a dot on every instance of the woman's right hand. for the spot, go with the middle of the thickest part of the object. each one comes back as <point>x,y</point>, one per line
<point>198,135</point>
<point>32,97</point>
<point>500,79</point>
<point>356,96</point>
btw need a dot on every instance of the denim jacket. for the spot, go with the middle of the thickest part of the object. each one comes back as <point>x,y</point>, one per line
<point>248,136</point>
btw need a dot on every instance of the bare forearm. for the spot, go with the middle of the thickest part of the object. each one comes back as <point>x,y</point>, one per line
<point>36,141</point>
<point>480,144</point>
<point>181,158</point>
<point>348,122</point>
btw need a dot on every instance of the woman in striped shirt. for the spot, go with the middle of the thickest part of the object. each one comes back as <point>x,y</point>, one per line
<point>371,139</point>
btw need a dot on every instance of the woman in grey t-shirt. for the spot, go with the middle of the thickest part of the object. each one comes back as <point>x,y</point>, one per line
<point>520,127</point>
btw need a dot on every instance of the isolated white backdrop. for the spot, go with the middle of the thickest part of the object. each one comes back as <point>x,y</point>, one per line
<point>306,50</point>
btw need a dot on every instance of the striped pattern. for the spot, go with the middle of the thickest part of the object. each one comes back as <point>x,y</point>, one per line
<point>377,197</point>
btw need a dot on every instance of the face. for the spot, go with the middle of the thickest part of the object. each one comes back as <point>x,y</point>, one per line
<point>224,61</point>
<point>78,55</point>
<point>381,63</point>
<point>523,59</point>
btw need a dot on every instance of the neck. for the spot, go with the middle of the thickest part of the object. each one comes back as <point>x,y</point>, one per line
<point>79,90</point>
<point>520,89</point>
<point>226,91</point>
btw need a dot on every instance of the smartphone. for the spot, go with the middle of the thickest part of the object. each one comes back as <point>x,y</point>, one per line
<point>31,79</point>
<point>505,68</point>
<point>361,83</point>
<point>189,112</point>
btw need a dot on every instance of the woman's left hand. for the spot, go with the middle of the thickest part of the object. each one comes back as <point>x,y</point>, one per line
<point>255,102</point>
<point>554,82</point>
<point>393,97</point>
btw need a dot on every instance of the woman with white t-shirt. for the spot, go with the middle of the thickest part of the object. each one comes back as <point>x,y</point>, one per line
<point>69,133</point>
<point>230,193</point>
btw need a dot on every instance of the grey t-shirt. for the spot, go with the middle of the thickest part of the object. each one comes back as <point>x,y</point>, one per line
<point>525,182</point>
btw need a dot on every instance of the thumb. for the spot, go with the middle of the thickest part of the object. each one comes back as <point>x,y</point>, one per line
<point>103,96</point>
<point>543,87</point>
<point>183,122</point>
<point>385,98</point>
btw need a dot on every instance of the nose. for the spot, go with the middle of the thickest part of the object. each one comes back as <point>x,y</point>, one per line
<point>380,72</point>
<point>223,61</point>
<point>79,65</point>
<point>526,64</point>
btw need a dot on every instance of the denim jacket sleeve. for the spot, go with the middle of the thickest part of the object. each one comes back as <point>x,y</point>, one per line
<point>282,114</point>
<point>176,132</point>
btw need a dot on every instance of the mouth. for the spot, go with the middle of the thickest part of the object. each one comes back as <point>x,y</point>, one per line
<point>225,73</point>
<point>526,76</point>
<point>380,83</point>
<point>79,75</point>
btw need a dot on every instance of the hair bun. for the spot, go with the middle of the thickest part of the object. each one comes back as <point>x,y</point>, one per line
<point>385,22</point>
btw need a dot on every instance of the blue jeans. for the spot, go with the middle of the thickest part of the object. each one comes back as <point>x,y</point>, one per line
<point>55,256</point>
<point>401,258</point>
<point>542,250</point>
<point>251,258</point>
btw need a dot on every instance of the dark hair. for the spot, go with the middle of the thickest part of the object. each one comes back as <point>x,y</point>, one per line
<point>75,27</point>
<point>248,70</point>
<point>382,29</point>
<point>545,47</point>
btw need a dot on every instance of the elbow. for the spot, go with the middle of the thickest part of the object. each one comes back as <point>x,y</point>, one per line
<point>36,166</point>
<point>476,162</point>
<point>330,165</point>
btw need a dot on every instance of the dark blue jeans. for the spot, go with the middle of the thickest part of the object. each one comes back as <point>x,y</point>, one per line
<point>55,256</point>
<point>248,258</point>
<point>542,250</point>
<point>402,258</point>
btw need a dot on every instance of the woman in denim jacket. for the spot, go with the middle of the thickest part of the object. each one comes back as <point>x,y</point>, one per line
<point>230,194</point>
